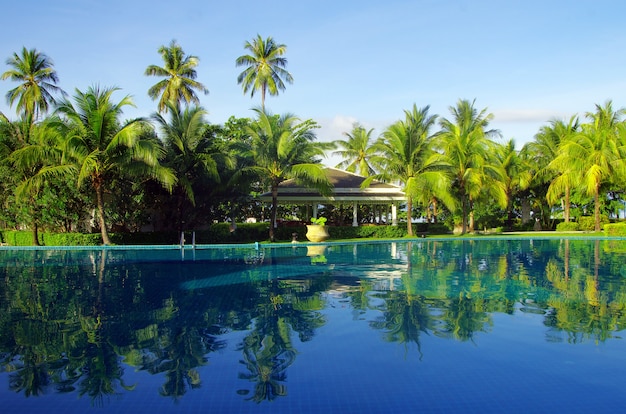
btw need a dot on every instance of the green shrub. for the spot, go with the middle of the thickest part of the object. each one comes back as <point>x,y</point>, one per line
<point>588,223</point>
<point>219,233</point>
<point>569,226</point>
<point>615,229</point>
<point>19,237</point>
<point>438,228</point>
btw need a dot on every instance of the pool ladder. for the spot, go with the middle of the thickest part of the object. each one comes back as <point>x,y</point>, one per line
<point>193,240</point>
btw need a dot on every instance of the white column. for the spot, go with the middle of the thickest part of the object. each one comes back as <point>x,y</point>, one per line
<point>394,214</point>
<point>355,215</point>
<point>315,210</point>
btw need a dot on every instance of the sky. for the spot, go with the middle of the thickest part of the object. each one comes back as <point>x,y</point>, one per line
<point>526,62</point>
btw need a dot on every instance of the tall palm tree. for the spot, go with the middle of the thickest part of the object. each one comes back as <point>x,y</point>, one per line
<point>284,147</point>
<point>515,174</point>
<point>35,72</point>
<point>189,153</point>
<point>405,154</point>
<point>466,143</point>
<point>264,68</point>
<point>179,72</point>
<point>356,151</point>
<point>562,177</point>
<point>596,154</point>
<point>99,145</point>
<point>34,156</point>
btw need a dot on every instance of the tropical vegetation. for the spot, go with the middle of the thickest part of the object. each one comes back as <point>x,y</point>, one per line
<point>76,165</point>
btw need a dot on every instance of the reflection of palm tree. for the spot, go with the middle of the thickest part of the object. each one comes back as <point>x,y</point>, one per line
<point>405,318</point>
<point>267,360</point>
<point>186,352</point>
<point>464,316</point>
<point>268,350</point>
<point>101,370</point>
<point>31,376</point>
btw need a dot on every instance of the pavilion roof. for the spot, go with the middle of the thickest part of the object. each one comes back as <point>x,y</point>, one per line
<point>346,188</point>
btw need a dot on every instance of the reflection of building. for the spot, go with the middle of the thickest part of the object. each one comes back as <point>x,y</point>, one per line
<point>346,190</point>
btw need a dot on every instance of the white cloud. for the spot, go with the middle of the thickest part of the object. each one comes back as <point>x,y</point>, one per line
<point>528,115</point>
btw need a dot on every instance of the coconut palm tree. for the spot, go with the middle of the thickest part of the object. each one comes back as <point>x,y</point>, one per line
<point>545,149</point>
<point>596,153</point>
<point>284,147</point>
<point>179,72</point>
<point>36,163</point>
<point>405,154</point>
<point>99,145</point>
<point>264,68</point>
<point>35,93</point>
<point>356,151</point>
<point>466,144</point>
<point>189,153</point>
<point>515,173</point>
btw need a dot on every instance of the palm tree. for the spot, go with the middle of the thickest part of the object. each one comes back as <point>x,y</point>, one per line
<point>356,151</point>
<point>179,73</point>
<point>466,144</point>
<point>36,162</point>
<point>596,154</point>
<point>283,147</point>
<point>34,70</point>
<point>405,154</point>
<point>562,177</point>
<point>515,174</point>
<point>265,68</point>
<point>189,153</point>
<point>99,145</point>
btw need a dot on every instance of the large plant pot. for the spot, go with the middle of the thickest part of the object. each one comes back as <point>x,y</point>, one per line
<point>315,250</point>
<point>316,233</point>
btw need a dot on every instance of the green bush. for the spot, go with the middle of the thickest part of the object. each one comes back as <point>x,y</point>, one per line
<point>219,233</point>
<point>588,223</point>
<point>438,228</point>
<point>615,229</point>
<point>569,226</point>
<point>18,238</point>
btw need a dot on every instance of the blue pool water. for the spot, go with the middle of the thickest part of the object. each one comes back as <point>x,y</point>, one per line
<point>446,326</point>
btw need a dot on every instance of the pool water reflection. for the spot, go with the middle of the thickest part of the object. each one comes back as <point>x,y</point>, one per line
<point>430,325</point>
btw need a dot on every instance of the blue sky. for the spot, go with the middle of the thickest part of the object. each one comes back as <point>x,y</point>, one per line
<point>352,61</point>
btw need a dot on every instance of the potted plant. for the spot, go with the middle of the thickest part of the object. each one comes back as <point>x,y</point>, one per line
<point>316,231</point>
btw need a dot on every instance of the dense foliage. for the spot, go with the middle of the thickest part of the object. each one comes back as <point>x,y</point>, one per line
<point>73,165</point>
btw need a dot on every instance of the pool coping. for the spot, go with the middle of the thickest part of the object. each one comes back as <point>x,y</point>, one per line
<point>258,245</point>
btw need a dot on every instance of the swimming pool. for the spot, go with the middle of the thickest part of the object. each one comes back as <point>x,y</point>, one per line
<point>485,325</point>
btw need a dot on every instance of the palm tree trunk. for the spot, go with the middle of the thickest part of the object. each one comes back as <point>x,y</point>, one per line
<point>409,218</point>
<point>464,215</point>
<point>35,233</point>
<point>263,98</point>
<point>273,213</point>
<point>596,200</point>
<point>100,203</point>
<point>567,204</point>
<point>471,215</point>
